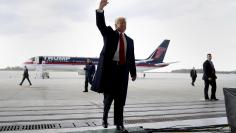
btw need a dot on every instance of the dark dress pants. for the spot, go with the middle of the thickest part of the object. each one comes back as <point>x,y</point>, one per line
<point>88,79</point>
<point>116,94</point>
<point>213,89</point>
<point>118,108</point>
<point>25,77</point>
<point>86,83</point>
<point>193,79</point>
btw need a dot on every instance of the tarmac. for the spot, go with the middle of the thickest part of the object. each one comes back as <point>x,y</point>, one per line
<point>158,101</point>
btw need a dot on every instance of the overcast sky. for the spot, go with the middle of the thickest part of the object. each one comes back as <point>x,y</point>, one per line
<point>67,28</point>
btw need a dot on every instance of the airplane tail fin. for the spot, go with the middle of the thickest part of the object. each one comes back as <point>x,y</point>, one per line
<point>159,54</point>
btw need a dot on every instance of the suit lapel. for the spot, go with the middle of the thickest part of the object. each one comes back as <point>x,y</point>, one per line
<point>114,46</point>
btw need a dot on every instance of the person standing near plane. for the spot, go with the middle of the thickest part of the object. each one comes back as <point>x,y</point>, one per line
<point>193,75</point>
<point>89,72</point>
<point>209,78</point>
<point>116,61</point>
<point>25,76</point>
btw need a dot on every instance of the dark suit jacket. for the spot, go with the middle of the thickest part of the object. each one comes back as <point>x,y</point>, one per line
<point>26,73</point>
<point>208,71</point>
<point>101,82</point>
<point>89,69</point>
<point>193,73</point>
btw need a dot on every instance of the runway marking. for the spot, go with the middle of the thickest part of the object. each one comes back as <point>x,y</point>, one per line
<point>133,112</point>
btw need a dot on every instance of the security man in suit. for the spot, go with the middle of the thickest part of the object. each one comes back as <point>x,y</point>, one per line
<point>25,76</point>
<point>193,75</point>
<point>89,72</point>
<point>209,78</point>
<point>116,61</point>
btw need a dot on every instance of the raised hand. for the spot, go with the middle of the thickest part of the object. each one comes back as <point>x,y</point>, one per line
<point>102,4</point>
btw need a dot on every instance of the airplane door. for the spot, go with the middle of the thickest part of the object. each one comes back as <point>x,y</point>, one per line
<point>39,59</point>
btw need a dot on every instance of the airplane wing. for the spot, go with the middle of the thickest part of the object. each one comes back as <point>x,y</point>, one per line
<point>156,66</point>
<point>165,64</point>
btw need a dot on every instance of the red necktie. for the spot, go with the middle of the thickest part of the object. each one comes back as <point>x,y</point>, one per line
<point>122,50</point>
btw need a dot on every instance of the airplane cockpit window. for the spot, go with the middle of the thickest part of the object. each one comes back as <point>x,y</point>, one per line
<point>32,59</point>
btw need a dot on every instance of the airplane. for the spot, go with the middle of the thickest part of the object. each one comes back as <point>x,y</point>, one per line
<point>65,63</point>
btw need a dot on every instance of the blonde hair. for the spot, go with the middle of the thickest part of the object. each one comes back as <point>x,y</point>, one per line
<point>119,18</point>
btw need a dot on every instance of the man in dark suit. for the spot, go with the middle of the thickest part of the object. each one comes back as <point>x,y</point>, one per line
<point>193,74</point>
<point>116,61</point>
<point>209,78</point>
<point>25,76</point>
<point>89,72</point>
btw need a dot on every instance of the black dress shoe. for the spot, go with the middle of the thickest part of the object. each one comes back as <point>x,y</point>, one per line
<point>105,124</point>
<point>207,99</point>
<point>121,128</point>
<point>85,91</point>
<point>214,99</point>
<point>118,127</point>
